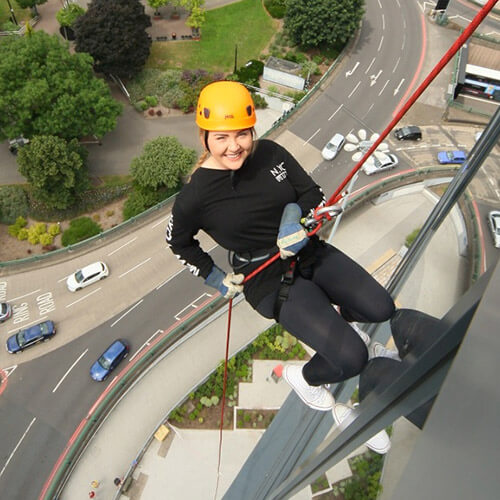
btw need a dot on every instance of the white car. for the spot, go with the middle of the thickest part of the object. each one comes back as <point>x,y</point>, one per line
<point>333,146</point>
<point>494,223</point>
<point>87,275</point>
<point>376,165</point>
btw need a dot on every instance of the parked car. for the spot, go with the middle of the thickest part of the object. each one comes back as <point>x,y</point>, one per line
<point>87,275</point>
<point>109,360</point>
<point>447,157</point>
<point>378,165</point>
<point>17,143</point>
<point>29,336</point>
<point>5,311</point>
<point>333,146</point>
<point>494,223</point>
<point>409,133</point>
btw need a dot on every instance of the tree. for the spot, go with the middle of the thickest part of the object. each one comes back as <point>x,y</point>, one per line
<point>45,90</point>
<point>163,162</point>
<point>114,33</point>
<point>196,19</point>
<point>69,14</point>
<point>156,4</point>
<point>322,22</point>
<point>55,169</point>
<point>24,4</point>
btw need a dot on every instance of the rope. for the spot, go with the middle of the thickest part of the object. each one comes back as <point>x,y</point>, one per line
<point>337,194</point>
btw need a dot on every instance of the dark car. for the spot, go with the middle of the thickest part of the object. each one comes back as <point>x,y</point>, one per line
<point>109,360</point>
<point>5,311</point>
<point>29,336</point>
<point>410,133</point>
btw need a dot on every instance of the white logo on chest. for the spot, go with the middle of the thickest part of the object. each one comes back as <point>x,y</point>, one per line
<point>279,172</point>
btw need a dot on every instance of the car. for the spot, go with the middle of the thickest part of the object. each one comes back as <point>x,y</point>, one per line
<point>409,133</point>
<point>447,157</point>
<point>17,143</point>
<point>30,336</point>
<point>379,165</point>
<point>333,146</point>
<point>87,275</point>
<point>494,223</point>
<point>109,360</point>
<point>5,311</point>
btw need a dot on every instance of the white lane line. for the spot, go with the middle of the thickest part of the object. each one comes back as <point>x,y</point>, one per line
<point>396,65</point>
<point>124,245</point>
<point>145,344</point>
<point>311,137</point>
<point>36,321</point>
<point>193,305</point>
<point>383,22</point>
<point>380,44</point>
<point>399,5</point>
<point>162,221</point>
<point>64,279</point>
<point>22,296</point>
<point>368,69</point>
<point>126,312</point>
<point>335,112</point>
<point>83,298</point>
<point>69,369</point>
<point>380,93</point>
<point>369,109</point>
<point>135,267</point>
<point>379,4</point>
<point>17,446</point>
<point>354,89</point>
<point>171,278</point>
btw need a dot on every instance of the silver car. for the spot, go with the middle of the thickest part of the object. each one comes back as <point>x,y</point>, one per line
<point>87,275</point>
<point>5,311</point>
<point>494,223</point>
<point>376,165</point>
<point>333,146</point>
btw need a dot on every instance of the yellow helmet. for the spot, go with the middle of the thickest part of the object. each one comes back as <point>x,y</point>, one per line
<point>225,105</point>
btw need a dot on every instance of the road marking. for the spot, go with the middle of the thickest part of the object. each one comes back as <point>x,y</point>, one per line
<point>171,278</point>
<point>398,88</point>
<point>162,221</point>
<point>69,369</point>
<point>350,72</point>
<point>84,297</point>
<point>379,4</point>
<point>135,267</point>
<point>17,446</point>
<point>383,88</point>
<point>396,65</point>
<point>374,78</point>
<point>36,321</point>
<point>383,22</point>
<point>380,44</point>
<point>311,137</point>
<point>354,89</point>
<point>22,296</point>
<point>9,370</point>
<point>124,245</point>
<point>369,109</point>
<point>335,112</point>
<point>370,65</point>
<point>125,313</point>
<point>145,344</point>
<point>191,306</point>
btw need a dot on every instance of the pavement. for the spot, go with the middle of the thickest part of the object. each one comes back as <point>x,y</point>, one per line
<point>184,465</point>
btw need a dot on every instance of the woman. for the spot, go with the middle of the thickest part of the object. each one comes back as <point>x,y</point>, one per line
<point>250,196</point>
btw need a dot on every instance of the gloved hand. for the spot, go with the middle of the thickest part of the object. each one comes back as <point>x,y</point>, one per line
<point>228,284</point>
<point>292,237</point>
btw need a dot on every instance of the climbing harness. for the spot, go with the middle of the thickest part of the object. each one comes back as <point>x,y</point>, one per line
<point>315,221</point>
<point>287,279</point>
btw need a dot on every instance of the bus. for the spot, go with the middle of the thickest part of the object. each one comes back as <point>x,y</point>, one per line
<point>481,82</point>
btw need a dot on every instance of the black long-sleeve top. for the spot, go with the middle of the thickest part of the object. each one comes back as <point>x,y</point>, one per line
<point>241,210</point>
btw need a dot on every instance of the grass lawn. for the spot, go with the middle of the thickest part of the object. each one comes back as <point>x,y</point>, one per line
<point>245,24</point>
<point>21,14</point>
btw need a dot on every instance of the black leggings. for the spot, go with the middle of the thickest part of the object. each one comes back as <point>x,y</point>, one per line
<point>308,314</point>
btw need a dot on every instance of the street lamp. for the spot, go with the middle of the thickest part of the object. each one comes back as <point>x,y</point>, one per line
<point>12,14</point>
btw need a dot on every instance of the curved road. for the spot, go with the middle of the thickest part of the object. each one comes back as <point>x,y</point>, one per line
<point>49,389</point>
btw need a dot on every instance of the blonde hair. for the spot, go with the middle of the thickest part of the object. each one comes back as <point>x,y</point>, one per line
<point>206,153</point>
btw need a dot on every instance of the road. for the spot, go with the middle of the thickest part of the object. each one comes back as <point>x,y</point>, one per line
<point>49,390</point>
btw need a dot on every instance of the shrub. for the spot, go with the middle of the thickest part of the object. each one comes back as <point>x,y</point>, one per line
<point>22,235</point>
<point>139,201</point>
<point>46,239</point>
<point>259,101</point>
<point>411,237</point>
<point>14,229</point>
<point>33,235</point>
<point>80,229</point>
<point>276,8</point>
<point>39,228</point>
<point>13,203</point>
<point>54,229</point>
<point>151,101</point>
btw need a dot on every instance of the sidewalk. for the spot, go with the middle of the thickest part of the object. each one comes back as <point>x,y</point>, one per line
<point>187,468</point>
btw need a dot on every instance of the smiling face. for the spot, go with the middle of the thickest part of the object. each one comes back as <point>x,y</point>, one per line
<point>229,149</point>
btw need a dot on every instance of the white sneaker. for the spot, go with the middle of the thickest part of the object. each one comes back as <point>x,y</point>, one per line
<point>316,397</point>
<point>378,350</point>
<point>364,336</point>
<point>380,443</point>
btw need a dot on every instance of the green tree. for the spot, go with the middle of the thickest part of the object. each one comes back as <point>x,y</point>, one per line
<point>45,90</point>
<point>163,162</point>
<point>69,14</point>
<point>25,4</point>
<point>156,4</point>
<point>196,19</point>
<point>55,169</point>
<point>322,22</point>
<point>114,33</point>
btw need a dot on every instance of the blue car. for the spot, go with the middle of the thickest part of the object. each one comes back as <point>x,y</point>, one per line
<point>447,157</point>
<point>109,360</point>
<point>29,336</point>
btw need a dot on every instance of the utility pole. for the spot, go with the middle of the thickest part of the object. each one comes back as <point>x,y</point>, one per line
<point>235,57</point>
<point>12,15</point>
